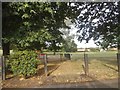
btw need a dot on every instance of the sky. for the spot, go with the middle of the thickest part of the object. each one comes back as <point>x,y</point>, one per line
<point>82,44</point>
<point>90,44</point>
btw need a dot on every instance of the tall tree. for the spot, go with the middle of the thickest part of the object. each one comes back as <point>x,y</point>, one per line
<point>68,45</point>
<point>9,26</point>
<point>23,23</point>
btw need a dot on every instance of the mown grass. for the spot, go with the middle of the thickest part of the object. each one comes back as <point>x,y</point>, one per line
<point>95,55</point>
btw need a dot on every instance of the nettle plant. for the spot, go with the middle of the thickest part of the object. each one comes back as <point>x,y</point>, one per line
<point>24,63</point>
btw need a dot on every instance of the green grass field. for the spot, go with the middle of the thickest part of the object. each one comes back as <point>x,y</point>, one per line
<point>102,59</point>
<point>95,55</point>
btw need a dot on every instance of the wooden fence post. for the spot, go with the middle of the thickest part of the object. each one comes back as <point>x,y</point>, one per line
<point>86,67</point>
<point>3,67</point>
<point>118,62</point>
<point>45,65</point>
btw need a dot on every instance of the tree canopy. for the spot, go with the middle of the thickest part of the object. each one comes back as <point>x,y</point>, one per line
<point>30,25</point>
<point>69,44</point>
<point>99,21</point>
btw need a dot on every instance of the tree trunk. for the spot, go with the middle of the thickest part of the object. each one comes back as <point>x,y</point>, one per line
<point>118,47</point>
<point>119,24</point>
<point>54,47</point>
<point>118,50</point>
<point>6,48</point>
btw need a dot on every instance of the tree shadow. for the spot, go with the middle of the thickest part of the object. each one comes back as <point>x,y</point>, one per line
<point>9,75</point>
<point>111,61</point>
<point>50,69</point>
<point>110,67</point>
<point>7,78</point>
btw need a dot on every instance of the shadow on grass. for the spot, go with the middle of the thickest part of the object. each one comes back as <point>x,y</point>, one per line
<point>110,67</point>
<point>50,68</point>
<point>111,61</point>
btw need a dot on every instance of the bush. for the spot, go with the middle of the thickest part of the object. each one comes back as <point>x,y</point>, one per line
<point>23,63</point>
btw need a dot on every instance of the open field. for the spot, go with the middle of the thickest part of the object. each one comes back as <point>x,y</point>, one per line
<point>94,55</point>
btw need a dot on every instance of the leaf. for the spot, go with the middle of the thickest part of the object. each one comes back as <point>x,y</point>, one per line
<point>32,11</point>
<point>25,16</point>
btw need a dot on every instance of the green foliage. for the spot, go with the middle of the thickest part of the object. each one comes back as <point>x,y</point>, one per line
<point>33,17</point>
<point>23,63</point>
<point>38,23</point>
<point>69,45</point>
<point>106,31</point>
